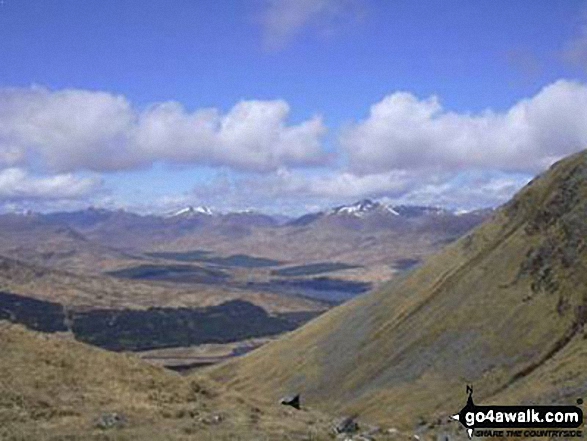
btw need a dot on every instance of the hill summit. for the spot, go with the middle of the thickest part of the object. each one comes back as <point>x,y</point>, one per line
<point>503,308</point>
<point>369,207</point>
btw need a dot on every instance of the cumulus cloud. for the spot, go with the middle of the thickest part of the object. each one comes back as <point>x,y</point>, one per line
<point>71,130</point>
<point>407,149</point>
<point>251,136</point>
<point>403,132</point>
<point>17,185</point>
<point>284,19</point>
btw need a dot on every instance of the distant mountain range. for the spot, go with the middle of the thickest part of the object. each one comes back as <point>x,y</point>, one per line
<point>365,232</point>
<point>191,218</point>
<point>361,209</point>
<point>258,256</point>
<point>373,214</point>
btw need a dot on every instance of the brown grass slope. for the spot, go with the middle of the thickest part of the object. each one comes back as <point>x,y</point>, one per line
<point>502,308</point>
<point>55,389</point>
<point>35,240</point>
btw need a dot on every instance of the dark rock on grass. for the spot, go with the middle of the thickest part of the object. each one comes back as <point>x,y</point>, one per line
<point>291,400</point>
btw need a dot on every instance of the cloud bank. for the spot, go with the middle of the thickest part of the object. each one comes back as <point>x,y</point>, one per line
<point>16,184</point>
<point>407,148</point>
<point>403,132</point>
<point>71,130</point>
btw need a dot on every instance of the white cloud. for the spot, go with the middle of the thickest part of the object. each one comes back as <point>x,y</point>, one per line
<point>251,136</point>
<point>17,185</point>
<point>469,190</point>
<point>403,132</point>
<point>71,130</point>
<point>336,184</point>
<point>407,149</point>
<point>295,192</point>
<point>283,19</point>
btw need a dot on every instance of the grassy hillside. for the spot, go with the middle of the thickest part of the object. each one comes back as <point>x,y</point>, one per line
<point>56,389</point>
<point>503,308</point>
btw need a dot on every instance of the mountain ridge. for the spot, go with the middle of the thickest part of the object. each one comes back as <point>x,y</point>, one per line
<point>358,207</point>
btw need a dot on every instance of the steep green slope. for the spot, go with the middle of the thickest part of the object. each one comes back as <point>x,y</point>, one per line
<point>502,308</point>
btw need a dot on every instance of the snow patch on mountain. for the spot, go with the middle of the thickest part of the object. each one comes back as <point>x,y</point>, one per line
<point>359,209</point>
<point>192,211</point>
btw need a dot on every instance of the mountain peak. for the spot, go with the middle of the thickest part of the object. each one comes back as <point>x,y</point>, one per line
<point>191,211</point>
<point>359,208</point>
<point>370,206</point>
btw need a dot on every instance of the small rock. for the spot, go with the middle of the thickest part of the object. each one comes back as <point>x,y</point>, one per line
<point>346,425</point>
<point>111,420</point>
<point>213,419</point>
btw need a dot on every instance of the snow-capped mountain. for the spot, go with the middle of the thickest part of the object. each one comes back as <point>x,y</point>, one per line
<point>362,208</point>
<point>367,207</point>
<point>375,213</point>
<point>192,211</point>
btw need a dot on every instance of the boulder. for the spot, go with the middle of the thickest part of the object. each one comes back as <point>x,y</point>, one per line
<point>346,425</point>
<point>291,400</point>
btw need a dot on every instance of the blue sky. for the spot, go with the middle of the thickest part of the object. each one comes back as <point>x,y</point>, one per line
<point>285,105</point>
